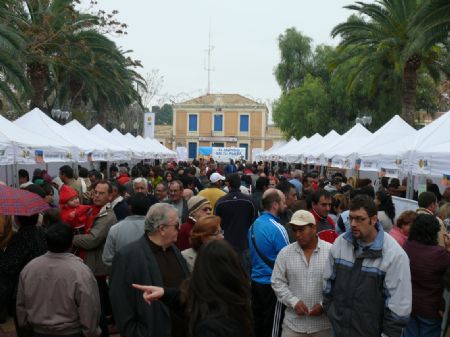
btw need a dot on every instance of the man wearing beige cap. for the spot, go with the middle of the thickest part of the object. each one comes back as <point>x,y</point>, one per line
<point>213,192</point>
<point>198,207</point>
<point>297,279</point>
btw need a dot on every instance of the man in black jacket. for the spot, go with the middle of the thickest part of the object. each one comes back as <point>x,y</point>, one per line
<point>155,260</point>
<point>237,211</point>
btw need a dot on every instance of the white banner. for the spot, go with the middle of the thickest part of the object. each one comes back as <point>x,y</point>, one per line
<point>182,153</point>
<point>149,125</point>
<point>224,154</point>
<point>256,153</point>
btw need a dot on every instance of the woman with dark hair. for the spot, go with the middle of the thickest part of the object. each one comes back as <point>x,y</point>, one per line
<point>169,176</point>
<point>386,210</point>
<point>428,262</point>
<point>216,298</point>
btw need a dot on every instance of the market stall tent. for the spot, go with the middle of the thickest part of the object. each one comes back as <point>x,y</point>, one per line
<point>20,146</point>
<point>115,152</point>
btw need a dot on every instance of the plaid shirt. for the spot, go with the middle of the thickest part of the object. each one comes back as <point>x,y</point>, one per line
<point>293,280</point>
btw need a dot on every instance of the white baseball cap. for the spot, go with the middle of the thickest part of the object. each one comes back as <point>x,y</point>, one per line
<point>302,218</point>
<point>215,177</point>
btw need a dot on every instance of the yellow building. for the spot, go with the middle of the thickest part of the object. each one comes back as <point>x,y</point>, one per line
<point>222,120</point>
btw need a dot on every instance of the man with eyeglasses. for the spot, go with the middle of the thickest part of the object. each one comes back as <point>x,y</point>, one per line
<point>297,279</point>
<point>367,281</point>
<point>176,199</point>
<point>152,259</point>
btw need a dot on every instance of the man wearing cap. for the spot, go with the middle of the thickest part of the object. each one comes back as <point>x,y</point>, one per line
<point>266,238</point>
<point>297,279</point>
<point>198,208</point>
<point>213,192</point>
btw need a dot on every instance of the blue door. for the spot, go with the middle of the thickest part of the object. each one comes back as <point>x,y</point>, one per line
<point>192,150</point>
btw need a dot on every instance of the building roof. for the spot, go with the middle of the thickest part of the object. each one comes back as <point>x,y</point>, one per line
<point>221,100</point>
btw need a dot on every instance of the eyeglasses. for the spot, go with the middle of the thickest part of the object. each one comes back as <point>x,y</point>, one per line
<point>357,219</point>
<point>219,232</point>
<point>177,226</point>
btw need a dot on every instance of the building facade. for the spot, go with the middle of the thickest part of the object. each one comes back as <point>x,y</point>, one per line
<point>221,120</point>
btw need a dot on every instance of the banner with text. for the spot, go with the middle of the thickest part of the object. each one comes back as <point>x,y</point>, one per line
<point>149,125</point>
<point>224,154</point>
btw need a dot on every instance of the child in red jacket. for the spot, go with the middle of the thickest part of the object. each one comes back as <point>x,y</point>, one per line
<point>72,212</point>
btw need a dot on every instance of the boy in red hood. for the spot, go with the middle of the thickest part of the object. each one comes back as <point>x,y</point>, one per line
<point>72,212</point>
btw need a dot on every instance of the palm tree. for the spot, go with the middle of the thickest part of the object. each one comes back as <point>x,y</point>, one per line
<point>69,61</point>
<point>12,76</point>
<point>384,43</point>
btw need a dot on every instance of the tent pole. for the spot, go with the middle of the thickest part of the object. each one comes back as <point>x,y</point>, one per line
<point>7,167</point>
<point>410,186</point>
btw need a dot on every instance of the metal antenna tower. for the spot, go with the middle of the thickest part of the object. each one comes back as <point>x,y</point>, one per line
<point>208,66</point>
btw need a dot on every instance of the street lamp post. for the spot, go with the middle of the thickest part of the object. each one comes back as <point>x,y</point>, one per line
<point>364,120</point>
<point>61,116</point>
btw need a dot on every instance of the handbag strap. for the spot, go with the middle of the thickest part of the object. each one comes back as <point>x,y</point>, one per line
<point>269,263</point>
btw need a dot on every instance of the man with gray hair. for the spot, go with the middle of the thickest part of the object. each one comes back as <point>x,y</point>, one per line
<point>140,185</point>
<point>153,259</point>
<point>297,177</point>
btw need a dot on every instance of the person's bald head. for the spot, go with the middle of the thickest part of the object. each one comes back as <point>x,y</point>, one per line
<point>274,201</point>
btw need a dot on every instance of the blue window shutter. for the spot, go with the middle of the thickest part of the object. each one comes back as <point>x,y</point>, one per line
<point>192,150</point>
<point>192,122</point>
<point>244,123</point>
<point>218,122</point>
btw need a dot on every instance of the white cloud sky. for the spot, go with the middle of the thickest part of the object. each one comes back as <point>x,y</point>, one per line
<point>172,36</point>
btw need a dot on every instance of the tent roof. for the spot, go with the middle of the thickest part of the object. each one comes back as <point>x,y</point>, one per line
<point>347,141</point>
<point>11,132</point>
<point>37,121</point>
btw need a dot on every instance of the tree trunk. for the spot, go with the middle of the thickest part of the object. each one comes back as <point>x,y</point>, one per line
<point>409,83</point>
<point>38,74</point>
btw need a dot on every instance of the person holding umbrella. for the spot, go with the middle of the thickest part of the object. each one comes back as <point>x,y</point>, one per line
<point>29,241</point>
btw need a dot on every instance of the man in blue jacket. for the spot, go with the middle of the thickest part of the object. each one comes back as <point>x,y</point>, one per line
<point>266,237</point>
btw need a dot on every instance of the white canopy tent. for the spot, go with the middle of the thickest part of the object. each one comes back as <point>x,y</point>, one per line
<point>162,152</point>
<point>311,153</point>
<point>100,132</point>
<point>37,121</point>
<point>430,153</point>
<point>336,154</point>
<point>266,154</point>
<point>290,147</point>
<point>275,154</point>
<point>147,151</point>
<point>115,152</point>
<point>295,154</point>
<point>18,145</point>
<point>371,153</point>
<point>138,151</point>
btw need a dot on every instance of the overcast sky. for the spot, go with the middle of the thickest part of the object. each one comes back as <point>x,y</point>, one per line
<point>172,37</point>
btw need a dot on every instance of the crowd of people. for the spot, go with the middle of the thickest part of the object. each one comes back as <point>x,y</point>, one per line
<point>234,249</point>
